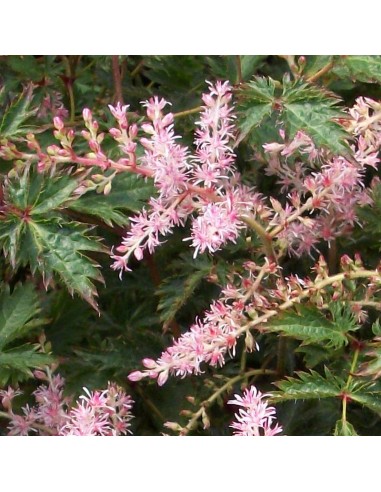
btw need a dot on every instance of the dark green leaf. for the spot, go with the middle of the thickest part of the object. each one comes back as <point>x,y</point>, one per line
<point>311,326</point>
<point>312,109</point>
<point>16,312</point>
<point>16,364</point>
<point>17,114</point>
<point>255,105</point>
<point>60,253</point>
<point>308,386</point>
<point>175,292</point>
<point>364,68</point>
<point>128,193</point>
<point>367,397</point>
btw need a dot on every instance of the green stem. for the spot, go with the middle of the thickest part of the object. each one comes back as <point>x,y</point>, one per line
<point>239,70</point>
<point>322,71</point>
<point>263,234</point>
<point>69,86</point>
<point>187,112</point>
<point>206,403</point>
<point>349,380</point>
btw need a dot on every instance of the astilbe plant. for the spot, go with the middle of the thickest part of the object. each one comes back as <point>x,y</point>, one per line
<point>320,188</point>
<point>96,413</point>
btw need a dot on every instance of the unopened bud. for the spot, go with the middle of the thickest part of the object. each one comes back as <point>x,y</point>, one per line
<point>173,426</point>
<point>249,341</point>
<point>301,61</point>
<point>87,115</point>
<point>107,188</point>
<point>136,376</point>
<point>205,419</point>
<point>58,123</point>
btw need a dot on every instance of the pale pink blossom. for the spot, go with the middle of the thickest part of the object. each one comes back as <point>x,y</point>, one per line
<point>255,417</point>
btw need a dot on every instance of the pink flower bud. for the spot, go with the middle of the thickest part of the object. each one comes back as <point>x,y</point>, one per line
<point>115,133</point>
<point>146,127</point>
<point>149,363</point>
<point>133,131</point>
<point>94,146</point>
<point>163,376</point>
<point>39,375</point>
<point>168,119</point>
<point>136,376</point>
<point>58,123</point>
<point>87,115</point>
<point>138,253</point>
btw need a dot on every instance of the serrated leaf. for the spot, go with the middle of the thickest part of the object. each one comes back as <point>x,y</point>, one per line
<point>300,106</point>
<point>364,68</point>
<point>33,232</point>
<point>344,428</point>
<point>60,253</point>
<point>16,364</point>
<point>128,193</point>
<point>176,290</point>
<point>38,193</point>
<point>55,193</point>
<point>311,109</point>
<point>17,113</point>
<point>369,399</point>
<point>18,316</point>
<point>16,312</point>
<point>308,385</point>
<point>310,326</point>
<point>255,104</point>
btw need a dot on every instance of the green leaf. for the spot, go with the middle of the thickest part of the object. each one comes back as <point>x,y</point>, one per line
<point>369,399</point>
<point>311,326</point>
<point>60,252</point>
<point>39,193</point>
<point>364,68</point>
<point>16,312</point>
<point>299,106</point>
<point>18,317</point>
<point>33,232</point>
<point>312,109</point>
<point>344,428</point>
<point>308,385</point>
<point>53,194</point>
<point>16,364</point>
<point>17,114</point>
<point>128,193</point>
<point>176,291</point>
<point>255,105</point>
<point>226,67</point>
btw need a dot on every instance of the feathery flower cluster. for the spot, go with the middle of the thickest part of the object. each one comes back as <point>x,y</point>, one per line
<point>210,339</point>
<point>98,413</point>
<point>201,184</point>
<point>332,186</point>
<point>255,417</point>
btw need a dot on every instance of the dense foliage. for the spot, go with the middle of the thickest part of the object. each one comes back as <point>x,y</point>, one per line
<point>153,283</point>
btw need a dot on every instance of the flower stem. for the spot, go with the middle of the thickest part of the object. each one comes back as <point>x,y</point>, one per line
<point>263,234</point>
<point>349,380</point>
<point>322,71</point>
<point>187,112</point>
<point>206,403</point>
